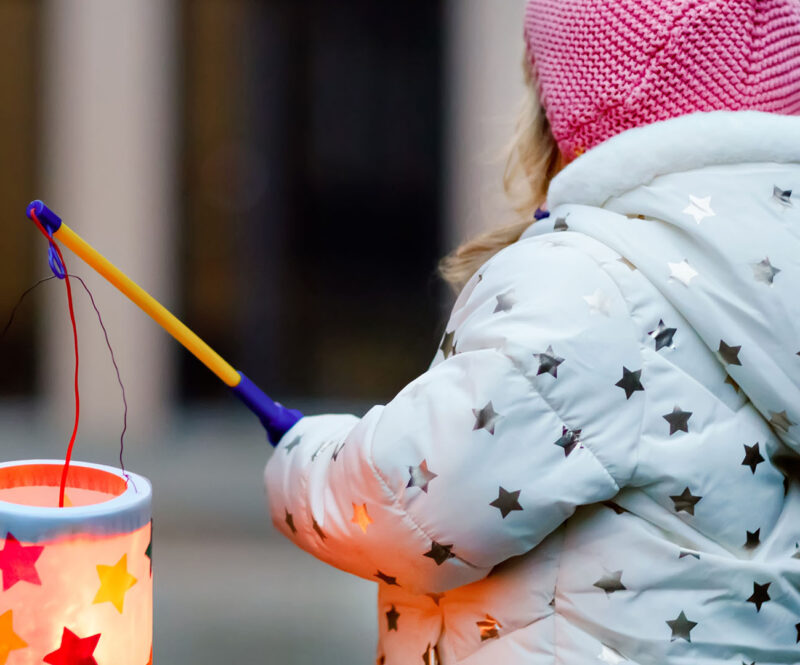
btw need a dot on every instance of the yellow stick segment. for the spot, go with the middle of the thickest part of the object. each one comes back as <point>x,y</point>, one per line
<point>149,305</point>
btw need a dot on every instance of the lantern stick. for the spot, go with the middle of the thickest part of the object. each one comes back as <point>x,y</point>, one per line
<point>149,305</point>
<point>253,397</point>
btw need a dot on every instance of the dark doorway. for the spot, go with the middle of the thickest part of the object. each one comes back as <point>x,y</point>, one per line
<point>313,171</point>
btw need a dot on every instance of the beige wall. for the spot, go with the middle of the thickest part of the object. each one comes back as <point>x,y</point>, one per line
<point>108,159</point>
<point>484,89</point>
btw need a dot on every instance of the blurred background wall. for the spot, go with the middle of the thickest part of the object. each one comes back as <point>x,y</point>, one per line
<point>284,174</point>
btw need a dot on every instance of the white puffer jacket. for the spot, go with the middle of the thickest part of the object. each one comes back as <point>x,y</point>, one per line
<point>601,464</point>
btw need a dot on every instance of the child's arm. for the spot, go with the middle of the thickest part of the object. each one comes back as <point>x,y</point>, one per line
<point>489,451</point>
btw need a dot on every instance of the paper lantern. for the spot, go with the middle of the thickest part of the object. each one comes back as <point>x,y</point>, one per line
<point>76,581</point>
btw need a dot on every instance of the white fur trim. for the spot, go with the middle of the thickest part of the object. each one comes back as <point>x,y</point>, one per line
<point>693,141</point>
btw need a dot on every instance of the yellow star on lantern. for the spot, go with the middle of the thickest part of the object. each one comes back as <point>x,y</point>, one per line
<point>9,640</point>
<point>114,583</point>
<point>360,516</point>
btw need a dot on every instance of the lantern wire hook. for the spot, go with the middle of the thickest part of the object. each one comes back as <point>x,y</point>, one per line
<point>59,268</point>
<point>54,260</point>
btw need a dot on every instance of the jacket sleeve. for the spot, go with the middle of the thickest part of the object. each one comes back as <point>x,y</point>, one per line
<point>531,408</point>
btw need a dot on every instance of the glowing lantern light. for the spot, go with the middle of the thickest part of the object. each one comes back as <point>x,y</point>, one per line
<point>77,583</point>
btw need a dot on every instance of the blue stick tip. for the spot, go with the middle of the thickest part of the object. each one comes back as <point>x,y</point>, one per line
<point>47,217</point>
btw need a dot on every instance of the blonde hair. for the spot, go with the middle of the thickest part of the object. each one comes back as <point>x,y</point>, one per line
<point>533,161</point>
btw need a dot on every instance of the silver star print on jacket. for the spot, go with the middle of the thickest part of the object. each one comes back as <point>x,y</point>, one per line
<point>391,618</point>
<point>779,420</point>
<point>782,196</point>
<point>760,595</point>
<point>662,335</point>
<point>630,382</point>
<point>506,502</point>
<point>431,655</point>
<point>386,579</point>
<point>699,208</point>
<point>322,448</point>
<point>611,582</point>
<point>765,272</point>
<point>289,519</point>
<point>729,354</point>
<point>682,272</point>
<point>548,362</point>
<point>420,476</point>
<point>505,301</point>
<point>681,627</point>
<point>292,445</point>
<point>568,440</point>
<point>440,553</point>
<point>678,420</point>
<point>488,627</point>
<point>753,540</point>
<point>318,529</point>
<point>752,456</point>
<point>448,344</point>
<point>685,501</point>
<point>599,303</point>
<point>561,224</point>
<point>486,418</point>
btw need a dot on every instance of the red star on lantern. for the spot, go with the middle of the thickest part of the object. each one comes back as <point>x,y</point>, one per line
<point>18,563</point>
<point>74,650</point>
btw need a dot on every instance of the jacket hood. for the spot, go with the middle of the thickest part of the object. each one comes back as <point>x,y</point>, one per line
<point>707,207</point>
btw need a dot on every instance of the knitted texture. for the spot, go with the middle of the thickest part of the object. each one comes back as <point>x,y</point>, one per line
<point>605,66</point>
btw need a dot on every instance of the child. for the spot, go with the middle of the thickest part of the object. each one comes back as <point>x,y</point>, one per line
<point>600,466</point>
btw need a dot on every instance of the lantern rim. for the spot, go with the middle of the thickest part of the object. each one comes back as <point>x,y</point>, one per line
<point>128,511</point>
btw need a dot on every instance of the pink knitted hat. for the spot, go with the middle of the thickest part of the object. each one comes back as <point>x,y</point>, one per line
<point>605,66</point>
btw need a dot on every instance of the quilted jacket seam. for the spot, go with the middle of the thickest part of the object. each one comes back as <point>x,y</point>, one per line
<point>393,496</point>
<point>556,412</point>
<point>628,307</point>
<point>395,500</point>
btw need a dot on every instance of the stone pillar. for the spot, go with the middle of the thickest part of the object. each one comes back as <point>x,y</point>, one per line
<point>107,165</point>
<point>484,88</point>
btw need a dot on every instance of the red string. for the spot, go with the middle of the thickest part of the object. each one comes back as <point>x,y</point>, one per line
<point>64,473</point>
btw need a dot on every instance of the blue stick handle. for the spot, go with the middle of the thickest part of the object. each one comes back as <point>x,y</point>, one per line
<point>275,417</point>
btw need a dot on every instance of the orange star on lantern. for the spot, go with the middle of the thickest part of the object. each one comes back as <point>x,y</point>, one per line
<point>9,640</point>
<point>114,583</point>
<point>74,650</point>
<point>18,563</point>
<point>360,516</point>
